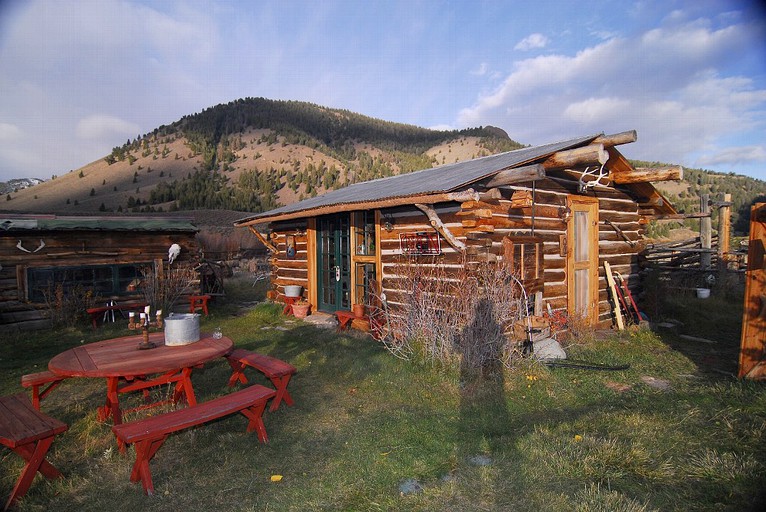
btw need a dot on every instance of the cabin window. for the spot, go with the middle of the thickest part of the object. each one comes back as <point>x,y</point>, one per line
<point>103,280</point>
<point>364,233</point>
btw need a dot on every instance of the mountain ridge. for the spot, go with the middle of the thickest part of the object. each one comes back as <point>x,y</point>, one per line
<point>254,154</point>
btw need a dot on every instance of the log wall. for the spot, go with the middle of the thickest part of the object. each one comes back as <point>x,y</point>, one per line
<point>68,249</point>
<point>482,225</point>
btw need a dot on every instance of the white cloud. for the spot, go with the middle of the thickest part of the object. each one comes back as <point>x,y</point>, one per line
<point>532,42</point>
<point>665,83</point>
<point>103,126</point>
<point>595,110</point>
<point>9,131</point>
<point>481,70</point>
<point>734,156</point>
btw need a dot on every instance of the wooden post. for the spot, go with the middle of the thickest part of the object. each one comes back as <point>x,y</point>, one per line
<point>706,232</point>
<point>752,354</point>
<point>724,230</point>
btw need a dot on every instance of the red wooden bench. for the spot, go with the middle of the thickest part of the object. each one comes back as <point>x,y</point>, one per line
<point>96,312</point>
<point>148,434</point>
<point>198,302</point>
<point>30,433</point>
<point>279,372</point>
<point>37,380</point>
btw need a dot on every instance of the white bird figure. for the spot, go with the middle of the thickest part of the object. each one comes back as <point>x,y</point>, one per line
<point>21,247</point>
<point>173,253</point>
<point>42,244</point>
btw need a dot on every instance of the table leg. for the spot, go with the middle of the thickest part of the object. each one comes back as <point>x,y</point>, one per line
<point>184,387</point>
<point>112,405</point>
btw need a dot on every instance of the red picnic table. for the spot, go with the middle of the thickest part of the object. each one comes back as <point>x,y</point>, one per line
<point>120,358</point>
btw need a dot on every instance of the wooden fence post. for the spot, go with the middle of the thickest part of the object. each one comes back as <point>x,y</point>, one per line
<point>724,230</point>
<point>752,360</point>
<point>706,232</point>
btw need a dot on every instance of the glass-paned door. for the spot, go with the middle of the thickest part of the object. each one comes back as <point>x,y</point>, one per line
<point>582,259</point>
<point>334,263</point>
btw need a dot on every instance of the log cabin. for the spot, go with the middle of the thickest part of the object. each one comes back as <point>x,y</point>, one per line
<point>560,210</point>
<point>103,254</point>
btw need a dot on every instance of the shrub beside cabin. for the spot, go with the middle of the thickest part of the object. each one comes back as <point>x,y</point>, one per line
<point>559,210</point>
<point>103,254</point>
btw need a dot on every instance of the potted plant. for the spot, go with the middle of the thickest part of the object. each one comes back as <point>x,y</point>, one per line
<point>301,309</point>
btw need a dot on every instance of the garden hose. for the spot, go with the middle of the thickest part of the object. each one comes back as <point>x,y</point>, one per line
<point>584,365</point>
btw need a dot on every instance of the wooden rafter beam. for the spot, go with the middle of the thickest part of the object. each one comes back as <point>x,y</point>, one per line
<point>460,196</point>
<point>516,175</point>
<point>439,226</point>
<point>616,139</point>
<point>263,240</point>
<point>649,174</point>
<point>586,155</point>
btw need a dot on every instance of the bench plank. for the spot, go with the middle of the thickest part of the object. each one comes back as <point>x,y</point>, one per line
<point>39,379</point>
<point>278,371</point>
<point>148,434</point>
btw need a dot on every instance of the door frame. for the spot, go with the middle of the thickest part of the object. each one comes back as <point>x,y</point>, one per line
<point>314,260</point>
<point>588,205</point>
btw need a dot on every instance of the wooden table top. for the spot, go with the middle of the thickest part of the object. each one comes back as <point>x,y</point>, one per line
<point>121,357</point>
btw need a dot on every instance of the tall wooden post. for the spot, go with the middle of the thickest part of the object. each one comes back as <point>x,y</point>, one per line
<point>706,232</point>
<point>752,354</point>
<point>724,230</point>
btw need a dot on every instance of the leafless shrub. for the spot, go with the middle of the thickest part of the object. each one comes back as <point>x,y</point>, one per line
<point>67,306</point>
<point>447,314</point>
<point>162,289</point>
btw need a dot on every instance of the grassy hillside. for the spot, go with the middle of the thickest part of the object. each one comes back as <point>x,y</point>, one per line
<point>251,155</point>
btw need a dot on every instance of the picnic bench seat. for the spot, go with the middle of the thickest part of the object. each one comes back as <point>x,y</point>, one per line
<point>38,380</point>
<point>148,434</point>
<point>278,371</point>
<point>94,313</point>
<point>29,433</point>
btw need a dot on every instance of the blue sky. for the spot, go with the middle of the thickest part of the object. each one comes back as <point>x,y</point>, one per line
<point>80,77</point>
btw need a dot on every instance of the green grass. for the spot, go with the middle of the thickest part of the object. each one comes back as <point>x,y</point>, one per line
<point>365,422</point>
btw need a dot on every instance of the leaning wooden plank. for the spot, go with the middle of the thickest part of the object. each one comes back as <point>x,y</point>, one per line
<point>615,298</point>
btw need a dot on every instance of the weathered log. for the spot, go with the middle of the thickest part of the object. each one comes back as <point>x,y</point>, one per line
<point>262,239</point>
<point>616,139</point>
<point>440,227</point>
<point>588,155</point>
<point>516,175</point>
<point>649,174</point>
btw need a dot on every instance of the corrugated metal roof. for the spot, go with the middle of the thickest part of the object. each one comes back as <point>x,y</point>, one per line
<point>54,223</point>
<point>436,180</point>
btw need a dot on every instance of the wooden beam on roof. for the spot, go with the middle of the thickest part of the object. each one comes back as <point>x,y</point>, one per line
<point>616,139</point>
<point>517,175</point>
<point>263,240</point>
<point>586,155</point>
<point>439,226</point>
<point>649,174</point>
<point>461,196</point>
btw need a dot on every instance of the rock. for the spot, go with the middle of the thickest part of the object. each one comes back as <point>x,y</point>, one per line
<point>410,486</point>
<point>481,460</point>
<point>548,349</point>
<point>660,384</point>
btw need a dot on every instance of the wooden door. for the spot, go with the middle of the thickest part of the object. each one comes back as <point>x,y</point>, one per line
<point>752,355</point>
<point>334,263</point>
<point>582,259</point>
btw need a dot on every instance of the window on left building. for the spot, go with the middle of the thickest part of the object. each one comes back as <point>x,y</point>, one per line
<point>121,280</point>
